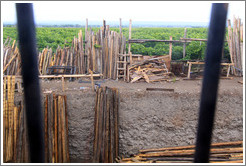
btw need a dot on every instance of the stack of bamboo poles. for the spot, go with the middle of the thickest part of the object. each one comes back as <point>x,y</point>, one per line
<point>14,127</point>
<point>103,49</point>
<point>56,129</point>
<point>106,132</point>
<point>235,43</point>
<point>224,152</point>
<point>11,58</point>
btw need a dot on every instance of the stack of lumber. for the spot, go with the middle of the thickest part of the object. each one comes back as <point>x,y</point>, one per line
<point>67,56</point>
<point>15,144</point>
<point>151,70</point>
<point>235,43</point>
<point>106,130</point>
<point>102,49</point>
<point>56,129</point>
<point>11,58</point>
<point>99,53</point>
<point>224,152</point>
<point>15,138</point>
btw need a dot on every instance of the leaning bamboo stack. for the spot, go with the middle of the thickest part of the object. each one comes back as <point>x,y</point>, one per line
<point>56,129</point>
<point>11,58</point>
<point>106,131</point>
<point>224,152</point>
<point>102,51</point>
<point>235,43</point>
<point>14,127</point>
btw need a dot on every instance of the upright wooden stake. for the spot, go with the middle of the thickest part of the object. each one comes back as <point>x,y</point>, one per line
<point>170,48</point>
<point>120,27</point>
<point>130,36</point>
<point>184,46</point>
<point>92,81</point>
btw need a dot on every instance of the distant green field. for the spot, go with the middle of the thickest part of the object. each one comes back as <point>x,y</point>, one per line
<point>52,37</point>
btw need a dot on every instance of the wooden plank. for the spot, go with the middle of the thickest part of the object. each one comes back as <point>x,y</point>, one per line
<point>46,149</point>
<point>66,122</point>
<point>63,131</point>
<point>116,122</point>
<point>220,144</point>
<point>50,127</point>
<point>93,53</point>
<point>56,126</point>
<point>96,113</point>
<point>154,40</point>
<point>160,89</point>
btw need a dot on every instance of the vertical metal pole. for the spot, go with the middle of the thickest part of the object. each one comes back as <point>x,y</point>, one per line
<point>210,81</point>
<point>28,51</point>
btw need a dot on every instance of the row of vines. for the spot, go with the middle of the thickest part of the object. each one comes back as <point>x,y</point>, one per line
<point>52,37</point>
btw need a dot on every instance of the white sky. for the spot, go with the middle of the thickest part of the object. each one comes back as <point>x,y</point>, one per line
<point>166,11</point>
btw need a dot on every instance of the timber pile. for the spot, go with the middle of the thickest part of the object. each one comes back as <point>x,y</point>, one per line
<point>106,130</point>
<point>235,43</point>
<point>103,49</point>
<point>224,152</point>
<point>151,70</point>
<point>15,144</point>
<point>11,58</point>
<point>99,53</point>
<point>15,138</point>
<point>56,129</point>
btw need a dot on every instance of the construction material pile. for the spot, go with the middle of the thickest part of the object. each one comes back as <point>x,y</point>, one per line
<point>11,58</point>
<point>56,129</point>
<point>235,43</point>
<point>106,130</point>
<point>15,137</point>
<point>15,144</point>
<point>224,152</point>
<point>151,70</point>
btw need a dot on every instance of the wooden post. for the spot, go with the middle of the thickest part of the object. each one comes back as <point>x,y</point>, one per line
<point>92,81</point>
<point>120,27</point>
<point>184,46</point>
<point>189,69</point>
<point>228,70</point>
<point>62,84</point>
<point>129,45</point>
<point>170,48</point>
<point>86,29</point>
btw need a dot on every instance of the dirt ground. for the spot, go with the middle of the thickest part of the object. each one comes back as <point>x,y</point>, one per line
<point>149,119</point>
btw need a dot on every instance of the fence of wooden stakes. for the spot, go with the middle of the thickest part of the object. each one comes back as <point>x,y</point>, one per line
<point>104,53</point>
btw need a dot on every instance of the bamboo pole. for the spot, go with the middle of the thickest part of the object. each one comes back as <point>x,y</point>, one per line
<point>129,44</point>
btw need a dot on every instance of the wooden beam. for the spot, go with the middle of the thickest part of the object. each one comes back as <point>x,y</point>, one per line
<point>160,89</point>
<point>154,40</point>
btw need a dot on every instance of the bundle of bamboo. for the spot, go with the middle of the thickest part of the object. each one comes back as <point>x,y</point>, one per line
<point>103,49</point>
<point>235,43</point>
<point>224,152</point>
<point>14,128</point>
<point>11,58</point>
<point>56,129</point>
<point>106,132</point>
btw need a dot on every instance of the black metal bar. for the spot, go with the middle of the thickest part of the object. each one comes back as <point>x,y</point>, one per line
<point>210,81</point>
<point>28,51</point>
